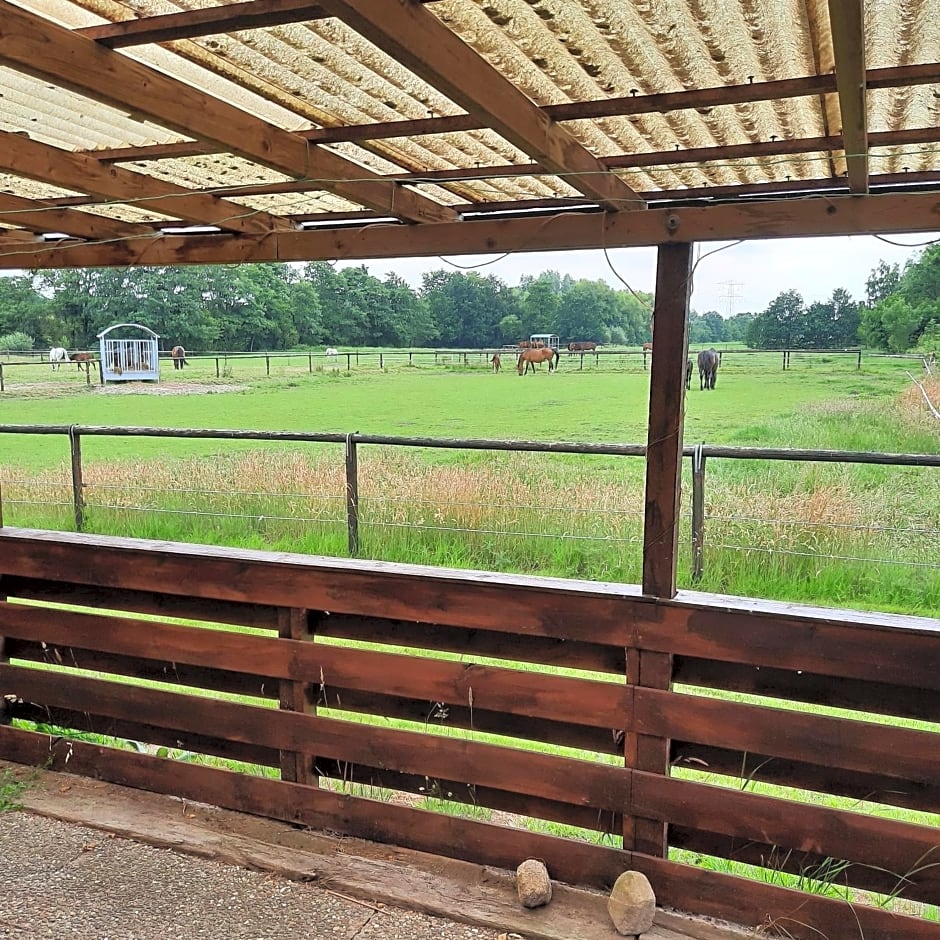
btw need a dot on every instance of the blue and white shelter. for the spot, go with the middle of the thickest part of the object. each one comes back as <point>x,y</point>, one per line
<point>129,353</point>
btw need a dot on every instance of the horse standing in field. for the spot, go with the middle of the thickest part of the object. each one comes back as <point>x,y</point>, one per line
<point>178,355</point>
<point>529,358</point>
<point>84,359</point>
<point>58,355</point>
<point>582,347</point>
<point>688,374</point>
<point>496,362</point>
<point>647,347</point>
<point>707,368</point>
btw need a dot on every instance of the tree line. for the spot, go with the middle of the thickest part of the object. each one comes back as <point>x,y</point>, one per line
<point>280,306</point>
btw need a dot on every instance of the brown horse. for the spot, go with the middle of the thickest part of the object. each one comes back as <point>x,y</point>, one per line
<point>85,359</point>
<point>529,358</point>
<point>179,357</point>
<point>496,362</point>
<point>582,347</point>
<point>647,347</point>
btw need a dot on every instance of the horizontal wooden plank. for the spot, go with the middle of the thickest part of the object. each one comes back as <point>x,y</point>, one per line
<point>801,686</point>
<point>866,651</point>
<point>89,722</point>
<point>681,886</point>
<point>598,613</point>
<point>816,739</point>
<point>475,797</point>
<point>551,697</point>
<point>547,651</point>
<point>441,715</point>
<point>807,866</point>
<point>747,766</point>
<point>902,849</point>
<point>258,616</point>
<point>603,787</point>
<point>174,673</point>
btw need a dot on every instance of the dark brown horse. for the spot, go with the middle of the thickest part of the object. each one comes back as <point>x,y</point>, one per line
<point>85,361</point>
<point>179,357</point>
<point>582,347</point>
<point>707,368</point>
<point>529,358</point>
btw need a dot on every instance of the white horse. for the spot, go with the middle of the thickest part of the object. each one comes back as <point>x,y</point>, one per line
<point>58,355</point>
<point>331,351</point>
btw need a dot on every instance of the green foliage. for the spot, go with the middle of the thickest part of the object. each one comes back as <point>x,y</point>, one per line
<point>10,790</point>
<point>17,340</point>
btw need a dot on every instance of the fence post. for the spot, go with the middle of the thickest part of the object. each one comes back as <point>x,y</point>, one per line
<point>698,510</point>
<point>381,361</point>
<point>297,624</point>
<point>310,362</point>
<point>2,388</point>
<point>216,366</point>
<point>859,363</point>
<point>78,485</point>
<point>267,364</point>
<point>352,494</point>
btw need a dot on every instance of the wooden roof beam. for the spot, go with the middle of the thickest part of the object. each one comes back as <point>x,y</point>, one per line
<point>37,217</point>
<point>40,47</point>
<point>457,71</point>
<point>191,24</point>
<point>848,44</point>
<point>33,160</point>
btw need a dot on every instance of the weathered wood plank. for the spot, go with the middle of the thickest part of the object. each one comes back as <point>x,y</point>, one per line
<point>817,739</point>
<point>747,766</point>
<point>802,686</point>
<point>680,886</point>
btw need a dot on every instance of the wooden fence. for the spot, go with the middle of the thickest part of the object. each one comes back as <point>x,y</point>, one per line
<point>566,704</point>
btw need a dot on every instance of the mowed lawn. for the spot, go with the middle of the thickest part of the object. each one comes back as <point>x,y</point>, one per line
<point>571,405</point>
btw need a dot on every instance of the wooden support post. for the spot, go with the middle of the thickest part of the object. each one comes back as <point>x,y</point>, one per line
<point>381,361</point>
<point>295,696</point>
<point>352,494</point>
<point>78,484</point>
<point>310,362</point>
<point>648,753</point>
<point>858,366</point>
<point>267,365</point>
<point>667,404</point>
<point>216,366</point>
<point>2,388</point>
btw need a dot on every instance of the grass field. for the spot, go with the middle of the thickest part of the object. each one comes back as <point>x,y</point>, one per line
<point>821,533</point>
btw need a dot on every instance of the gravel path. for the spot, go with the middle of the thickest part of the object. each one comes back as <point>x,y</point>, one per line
<point>66,882</point>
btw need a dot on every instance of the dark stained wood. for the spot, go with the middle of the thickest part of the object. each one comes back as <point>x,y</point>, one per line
<point>819,739</point>
<point>681,886</point>
<point>667,403</point>
<point>35,216</point>
<point>144,602</point>
<point>747,766</point>
<point>296,694</point>
<point>898,848</point>
<point>834,646</point>
<point>547,651</point>
<point>802,686</point>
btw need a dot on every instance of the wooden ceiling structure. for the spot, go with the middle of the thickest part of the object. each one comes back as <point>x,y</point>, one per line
<point>199,131</point>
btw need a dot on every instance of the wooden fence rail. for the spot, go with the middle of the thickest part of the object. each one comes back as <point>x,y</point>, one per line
<point>351,679</point>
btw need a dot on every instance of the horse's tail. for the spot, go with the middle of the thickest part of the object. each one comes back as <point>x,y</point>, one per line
<point>557,359</point>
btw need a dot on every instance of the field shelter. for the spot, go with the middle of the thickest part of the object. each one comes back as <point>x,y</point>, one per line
<point>181,132</point>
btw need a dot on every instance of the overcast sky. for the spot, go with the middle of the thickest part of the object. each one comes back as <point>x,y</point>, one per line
<point>752,273</point>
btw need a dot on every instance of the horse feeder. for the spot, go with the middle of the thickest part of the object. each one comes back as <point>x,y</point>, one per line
<point>127,357</point>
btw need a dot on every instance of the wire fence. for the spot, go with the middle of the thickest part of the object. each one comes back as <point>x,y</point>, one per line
<point>553,507</point>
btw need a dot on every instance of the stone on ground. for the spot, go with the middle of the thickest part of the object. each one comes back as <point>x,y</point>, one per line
<point>632,904</point>
<point>533,884</point>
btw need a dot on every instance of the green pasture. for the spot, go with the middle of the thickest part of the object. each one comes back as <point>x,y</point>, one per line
<point>820,533</point>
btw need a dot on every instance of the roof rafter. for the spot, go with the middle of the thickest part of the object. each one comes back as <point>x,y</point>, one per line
<point>36,216</point>
<point>190,24</point>
<point>446,62</point>
<point>37,161</point>
<point>848,44</point>
<point>40,47</point>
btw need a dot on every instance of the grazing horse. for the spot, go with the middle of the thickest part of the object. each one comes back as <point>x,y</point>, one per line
<point>58,355</point>
<point>178,354</point>
<point>688,374</point>
<point>496,362</point>
<point>529,358</point>
<point>331,352</point>
<point>707,368</point>
<point>647,347</point>
<point>582,347</point>
<point>85,359</point>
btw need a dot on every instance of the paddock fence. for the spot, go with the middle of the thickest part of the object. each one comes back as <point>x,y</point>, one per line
<point>608,729</point>
<point>345,504</point>
<point>33,368</point>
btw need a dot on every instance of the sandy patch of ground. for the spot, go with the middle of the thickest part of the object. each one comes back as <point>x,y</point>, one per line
<point>163,388</point>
